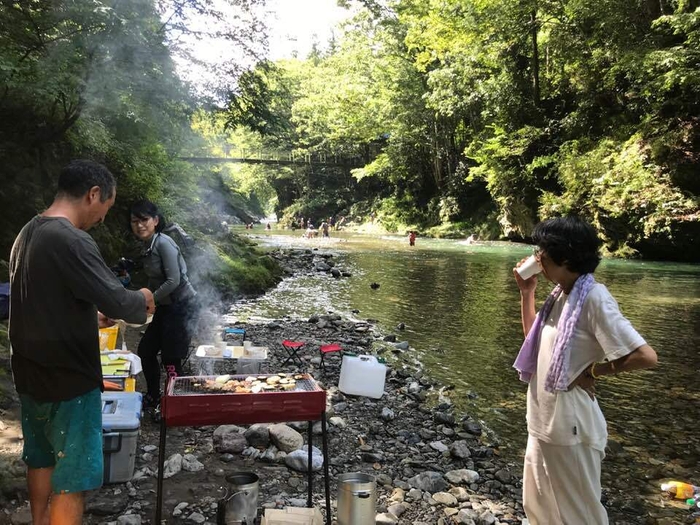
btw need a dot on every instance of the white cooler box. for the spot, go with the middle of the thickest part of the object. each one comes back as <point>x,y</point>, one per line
<point>121,420</point>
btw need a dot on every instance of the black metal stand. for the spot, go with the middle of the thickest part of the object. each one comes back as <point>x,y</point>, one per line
<point>161,466</point>
<point>309,499</point>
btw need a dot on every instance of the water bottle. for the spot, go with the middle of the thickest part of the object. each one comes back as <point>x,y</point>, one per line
<point>680,490</point>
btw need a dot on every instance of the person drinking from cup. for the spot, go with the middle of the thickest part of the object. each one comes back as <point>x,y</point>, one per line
<point>578,336</point>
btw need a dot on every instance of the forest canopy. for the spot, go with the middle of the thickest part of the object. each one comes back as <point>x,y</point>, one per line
<point>444,116</point>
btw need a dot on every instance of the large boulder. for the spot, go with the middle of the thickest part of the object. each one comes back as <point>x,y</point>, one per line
<point>285,438</point>
<point>229,438</point>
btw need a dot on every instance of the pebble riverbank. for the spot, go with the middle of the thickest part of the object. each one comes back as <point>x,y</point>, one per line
<point>433,465</point>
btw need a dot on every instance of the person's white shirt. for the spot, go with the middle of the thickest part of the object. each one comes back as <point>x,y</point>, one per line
<point>602,333</point>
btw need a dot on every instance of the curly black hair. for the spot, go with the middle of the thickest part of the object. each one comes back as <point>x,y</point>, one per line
<point>569,241</point>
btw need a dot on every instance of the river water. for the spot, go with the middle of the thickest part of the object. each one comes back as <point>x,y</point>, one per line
<point>460,305</point>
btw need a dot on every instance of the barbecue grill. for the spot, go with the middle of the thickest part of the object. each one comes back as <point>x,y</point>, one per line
<point>188,403</point>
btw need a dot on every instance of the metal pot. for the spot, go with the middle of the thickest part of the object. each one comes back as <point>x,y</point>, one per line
<point>357,499</point>
<point>240,504</point>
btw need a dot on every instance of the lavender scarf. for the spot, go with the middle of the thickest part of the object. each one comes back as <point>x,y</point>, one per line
<point>526,362</point>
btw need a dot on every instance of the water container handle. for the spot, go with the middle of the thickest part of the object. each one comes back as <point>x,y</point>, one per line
<point>362,494</point>
<point>368,358</point>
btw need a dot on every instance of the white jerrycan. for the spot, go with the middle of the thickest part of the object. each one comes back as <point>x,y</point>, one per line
<point>362,375</point>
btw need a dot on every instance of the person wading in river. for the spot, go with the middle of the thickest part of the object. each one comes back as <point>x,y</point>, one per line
<point>578,336</point>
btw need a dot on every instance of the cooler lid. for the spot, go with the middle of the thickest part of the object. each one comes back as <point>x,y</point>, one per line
<point>121,411</point>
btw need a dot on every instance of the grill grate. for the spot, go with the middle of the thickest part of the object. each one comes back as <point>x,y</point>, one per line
<point>184,386</point>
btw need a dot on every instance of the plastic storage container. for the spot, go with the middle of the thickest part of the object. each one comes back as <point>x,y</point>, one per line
<point>121,419</point>
<point>362,376</point>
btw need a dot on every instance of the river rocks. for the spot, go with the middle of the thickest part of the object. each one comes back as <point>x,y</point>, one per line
<point>196,517</point>
<point>504,476</point>
<point>172,466</point>
<point>258,435</point>
<point>190,463</point>
<point>229,438</point>
<point>429,481</point>
<point>397,509</point>
<point>445,498</point>
<point>460,493</point>
<point>129,519</point>
<point>472,427</point>
<point>460,450</point>
<point>466,517</point>
<point>464,476</point>
<point>387,414</point>
<point>285,438</point>
<point>439,446</point>
<point>106,504</point>
<point>21,517</point>
<point>299,459</point>
<point>444,418</point>
<point>386,519</point>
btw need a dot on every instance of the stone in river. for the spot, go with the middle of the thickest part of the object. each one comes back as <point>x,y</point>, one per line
<point>129,519</point>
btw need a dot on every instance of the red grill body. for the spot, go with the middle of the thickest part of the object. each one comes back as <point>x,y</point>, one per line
<point>184,406</point>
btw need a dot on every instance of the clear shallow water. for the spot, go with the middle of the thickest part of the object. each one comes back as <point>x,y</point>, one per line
<point>460,305</point>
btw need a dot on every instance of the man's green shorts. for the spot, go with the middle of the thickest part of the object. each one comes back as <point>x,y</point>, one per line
<point>66,435</point>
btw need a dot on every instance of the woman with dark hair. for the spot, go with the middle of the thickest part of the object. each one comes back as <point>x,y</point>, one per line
<point>170,331</point>
<point>578,336</point>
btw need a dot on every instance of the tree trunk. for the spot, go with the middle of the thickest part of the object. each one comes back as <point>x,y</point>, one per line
<point>535,58</point>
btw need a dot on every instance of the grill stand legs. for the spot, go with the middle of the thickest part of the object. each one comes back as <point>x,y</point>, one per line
<point>309,501</point>
<point>161,467</point>
<point>326,476</point>
<point>326,468</point>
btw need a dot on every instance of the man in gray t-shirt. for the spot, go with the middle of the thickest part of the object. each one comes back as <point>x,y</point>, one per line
<point>58,282</point>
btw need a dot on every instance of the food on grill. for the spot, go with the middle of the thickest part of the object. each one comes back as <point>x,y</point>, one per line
<point>248,385</point>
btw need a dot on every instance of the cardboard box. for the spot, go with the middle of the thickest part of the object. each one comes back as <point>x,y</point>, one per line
<point>292,516</point>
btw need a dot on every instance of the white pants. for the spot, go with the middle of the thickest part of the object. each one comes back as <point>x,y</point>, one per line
<point>561,484</point>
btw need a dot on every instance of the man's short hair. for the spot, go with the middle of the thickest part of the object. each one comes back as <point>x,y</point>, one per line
<point>76,179</point>
<point>569,241</point>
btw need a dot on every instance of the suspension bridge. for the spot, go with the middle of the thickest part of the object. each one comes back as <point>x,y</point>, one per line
<point>280,158</point>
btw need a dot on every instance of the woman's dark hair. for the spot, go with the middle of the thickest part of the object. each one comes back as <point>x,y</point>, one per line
<point>145,209</point>
<point>569,241</point>
<point>80,175</point>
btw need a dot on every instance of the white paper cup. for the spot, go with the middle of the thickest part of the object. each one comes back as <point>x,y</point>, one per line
<point>529,268</point>
<point>247,345</point>
<point>220,345</point>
